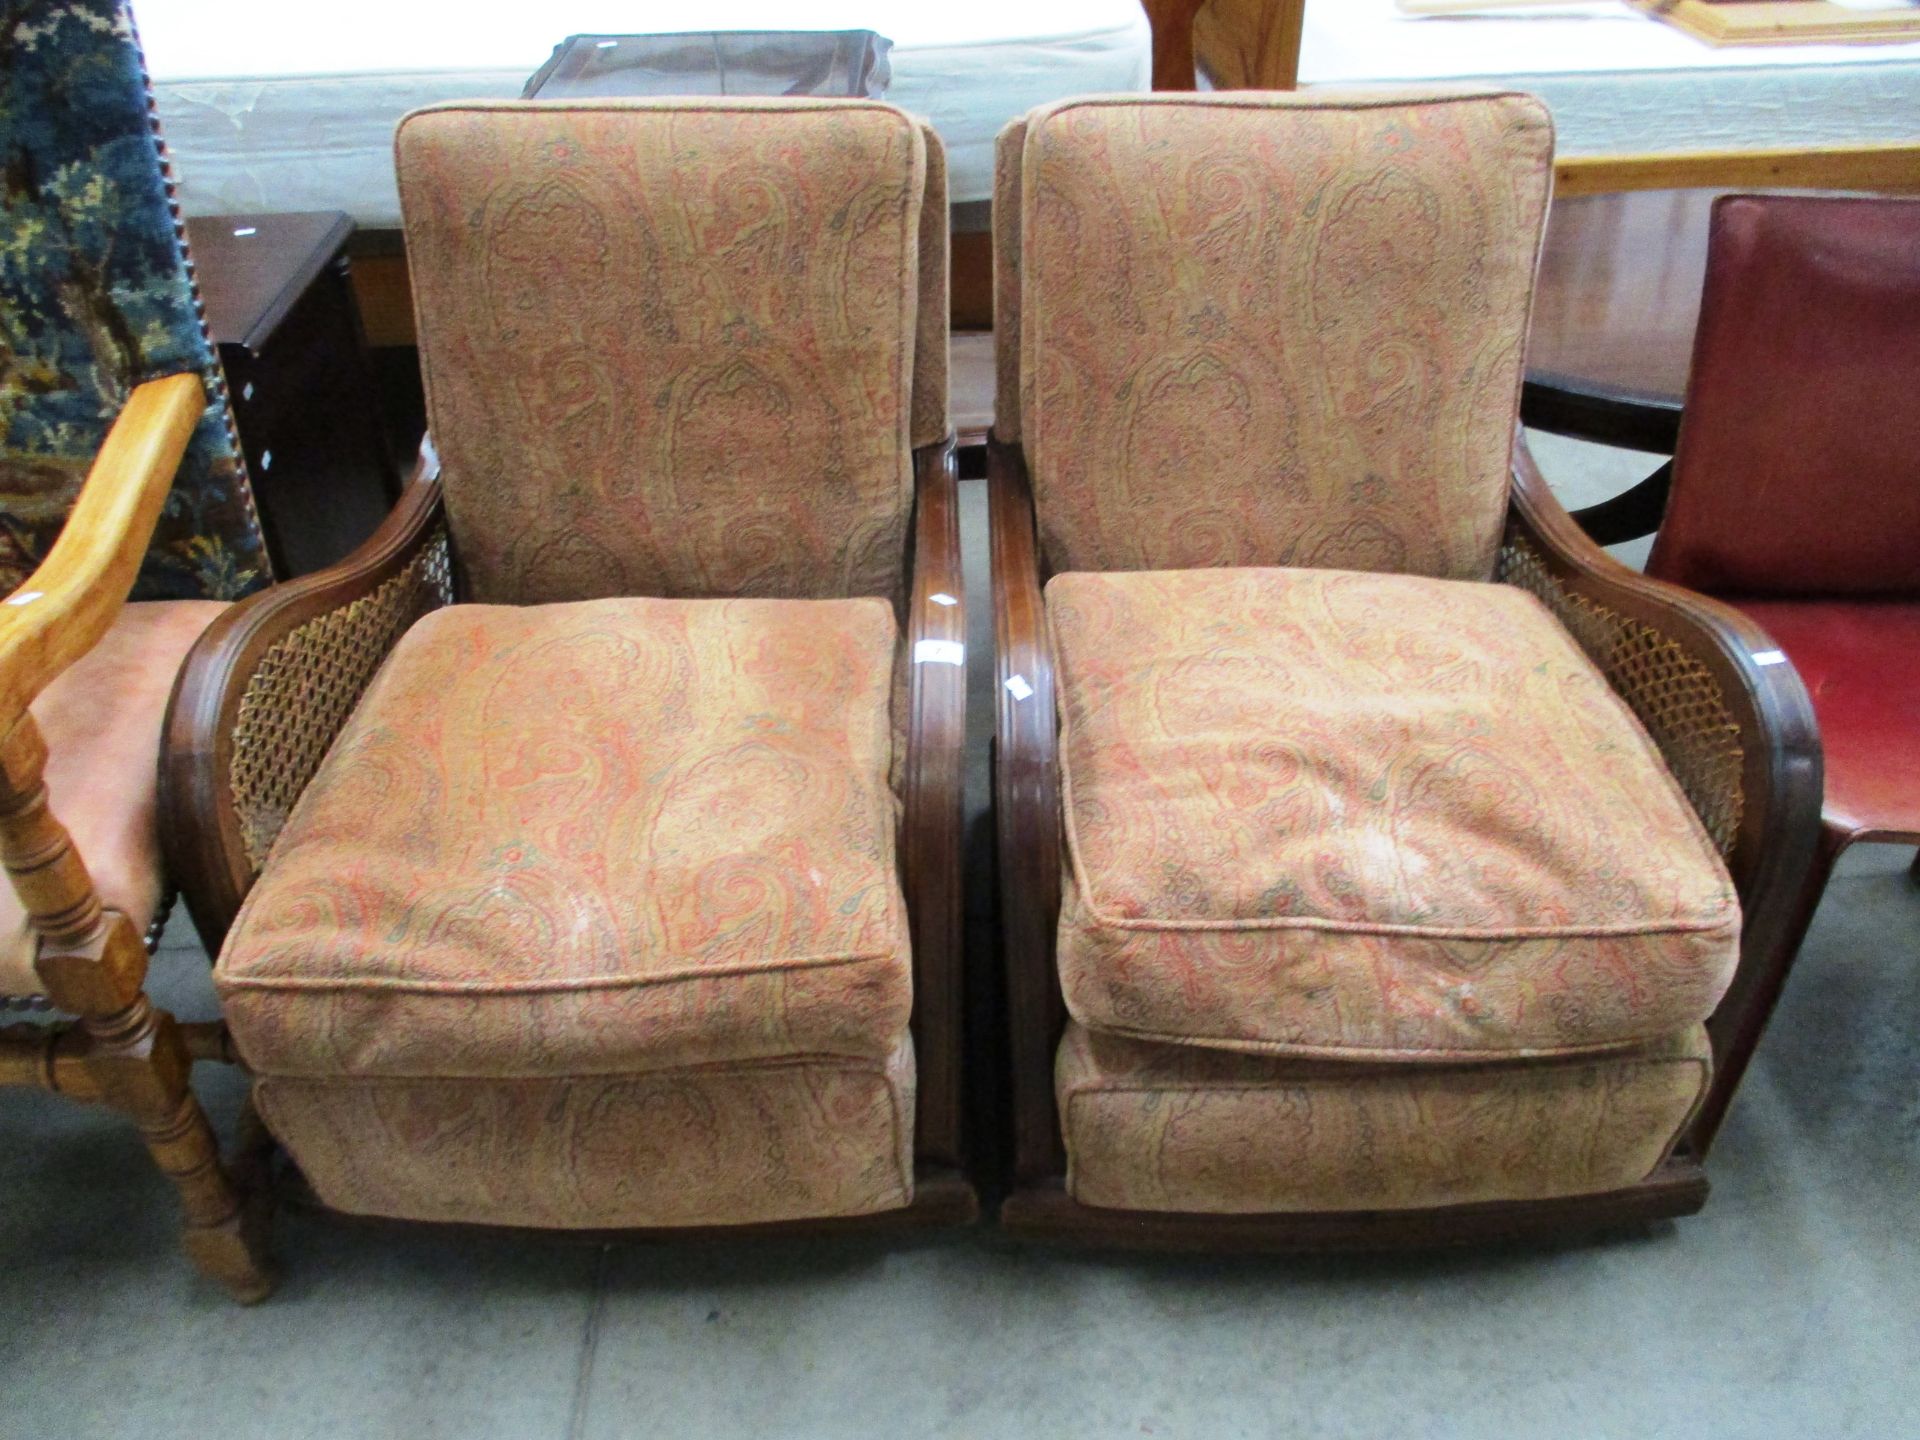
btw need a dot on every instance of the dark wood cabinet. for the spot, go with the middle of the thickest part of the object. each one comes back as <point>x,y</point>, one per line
<point>281,310</point>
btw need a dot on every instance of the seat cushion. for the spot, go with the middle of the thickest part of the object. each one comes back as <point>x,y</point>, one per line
<point>1860,660</point>
<point>607,837</point>
<point>1367,816</point>
<point>101,720</point>
<point>1163,1127</point>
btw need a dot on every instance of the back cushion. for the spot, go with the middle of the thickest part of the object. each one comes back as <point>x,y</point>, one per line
<point>1270,330</point>
<point>668,347</point>
<point>1798,472</point>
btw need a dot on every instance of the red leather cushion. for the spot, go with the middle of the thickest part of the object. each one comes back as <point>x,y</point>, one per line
<point>1861,662</point>
<point>1798,470</point>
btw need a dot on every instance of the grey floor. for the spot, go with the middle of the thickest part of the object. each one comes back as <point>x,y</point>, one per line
<point>1790,1307</point>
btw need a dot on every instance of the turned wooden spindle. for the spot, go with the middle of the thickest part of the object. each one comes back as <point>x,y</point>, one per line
<point>131,1056</point>
<point>48,874</point>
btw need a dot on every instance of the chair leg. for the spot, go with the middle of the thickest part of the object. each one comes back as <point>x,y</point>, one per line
<point>144,1068</point>
<point>1737,1028</point>
<point>92,963</point>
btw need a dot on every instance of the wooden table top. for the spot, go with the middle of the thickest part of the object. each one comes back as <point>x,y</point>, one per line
<point>1619,298</point>
<point>252,268</point>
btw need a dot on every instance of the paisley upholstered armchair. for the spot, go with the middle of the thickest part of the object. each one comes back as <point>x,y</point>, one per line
<point>585,847</point>
<point>1381,862</point>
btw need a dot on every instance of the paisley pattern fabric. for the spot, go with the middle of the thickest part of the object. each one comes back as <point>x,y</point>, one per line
<point>731,1144</point>
<point>1367,816</point>
<point>930,422</point>
<point>97,296</point>
<point>603,838</point>
<point>1156,1127</point>
<point>1007,149</point>
<point>670,347</point>
<point>1276,330</point>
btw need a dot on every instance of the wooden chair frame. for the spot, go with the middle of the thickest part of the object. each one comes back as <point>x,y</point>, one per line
<point>407,568</point>
<point>1612,610</point>
<point>121,1051</point>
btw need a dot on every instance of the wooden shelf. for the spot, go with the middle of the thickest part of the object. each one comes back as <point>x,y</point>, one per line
<point>1784,22</point>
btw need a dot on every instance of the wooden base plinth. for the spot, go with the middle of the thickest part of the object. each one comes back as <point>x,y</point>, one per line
<point>1047,1213</point>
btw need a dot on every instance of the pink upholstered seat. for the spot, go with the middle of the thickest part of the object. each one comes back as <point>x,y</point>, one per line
<point>101,720</point>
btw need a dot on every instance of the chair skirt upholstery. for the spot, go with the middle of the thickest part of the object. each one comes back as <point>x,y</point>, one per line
<point>592,917</point>
<point>1179,1128</point>
<point>1375,895</point>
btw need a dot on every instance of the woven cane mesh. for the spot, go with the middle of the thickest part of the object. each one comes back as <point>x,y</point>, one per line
<point>308,683</point>
<point>1674,696</point>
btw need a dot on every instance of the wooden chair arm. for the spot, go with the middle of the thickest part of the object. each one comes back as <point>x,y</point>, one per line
<point>266,689</point>
<point>1026,786</point>
<point>932,836</point>
<point>1729,714</point>
<point>72,598</point>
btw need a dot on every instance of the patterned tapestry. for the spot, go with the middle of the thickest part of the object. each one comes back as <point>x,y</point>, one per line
<point>96,296</point>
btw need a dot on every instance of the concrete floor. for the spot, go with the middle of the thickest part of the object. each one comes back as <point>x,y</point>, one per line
<point>1790,1307</point>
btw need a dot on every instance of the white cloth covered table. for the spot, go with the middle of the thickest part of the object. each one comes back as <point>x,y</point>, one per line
<point>279,106</point>
<point>275,106</point>
<point>1620,82</point>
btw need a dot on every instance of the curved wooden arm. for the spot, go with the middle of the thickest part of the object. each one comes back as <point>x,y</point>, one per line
<point>71,600</point>
<point>1780,759</point>
<point>932,827</point>
<point>1026,792</point>
<point>202,827</point>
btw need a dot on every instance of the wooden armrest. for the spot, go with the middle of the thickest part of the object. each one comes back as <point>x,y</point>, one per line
<point>268,686</point>
<point>932,838</point>
<point>71,600</point>
<point>1752,772</point>
<point>1026,785</point>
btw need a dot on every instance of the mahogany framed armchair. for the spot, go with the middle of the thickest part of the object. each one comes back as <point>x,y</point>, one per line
<point>1381,863</point>
<point>569,871</point>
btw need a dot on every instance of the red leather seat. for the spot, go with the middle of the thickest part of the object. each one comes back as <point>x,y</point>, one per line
<point>1861,663</point>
